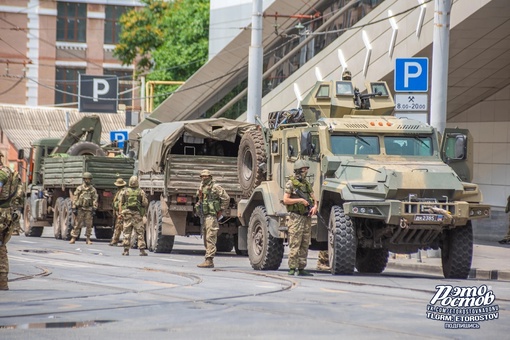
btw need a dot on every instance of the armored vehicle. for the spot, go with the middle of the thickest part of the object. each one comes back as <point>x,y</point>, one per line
<point>384,184</point>
<point>55,170</point>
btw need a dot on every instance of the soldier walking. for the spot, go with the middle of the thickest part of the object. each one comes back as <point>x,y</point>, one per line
<point>117,217</point>
<point>212,199</point>
<point>84,206</point>
<point>132,204</point>
<point>298,198</point>
<point>10,184</point>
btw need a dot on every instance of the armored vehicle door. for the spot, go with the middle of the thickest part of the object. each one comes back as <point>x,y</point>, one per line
<point>457,152</point>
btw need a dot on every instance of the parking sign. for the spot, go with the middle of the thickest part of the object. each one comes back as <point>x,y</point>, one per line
<point>119,136</point>
<point>411,74</point>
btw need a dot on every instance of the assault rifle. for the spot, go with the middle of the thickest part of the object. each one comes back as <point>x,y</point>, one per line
<point>301,194</point>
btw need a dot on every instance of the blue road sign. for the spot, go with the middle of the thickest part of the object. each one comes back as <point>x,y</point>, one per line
<point>119,136</point>
<point>411,74</point>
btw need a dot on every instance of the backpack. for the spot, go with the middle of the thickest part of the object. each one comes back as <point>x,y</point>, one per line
<point>132,201</point>
<point>11,181</point>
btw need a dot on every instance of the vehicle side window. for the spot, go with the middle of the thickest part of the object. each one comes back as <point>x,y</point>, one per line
<point>292,147</point>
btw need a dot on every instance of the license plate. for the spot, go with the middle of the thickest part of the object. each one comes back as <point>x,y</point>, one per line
<point>428,218</point>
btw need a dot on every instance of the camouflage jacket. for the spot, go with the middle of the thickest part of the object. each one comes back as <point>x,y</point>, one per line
<point>85,197</point>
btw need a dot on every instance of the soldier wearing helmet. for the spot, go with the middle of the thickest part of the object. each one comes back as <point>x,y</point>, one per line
<point>132,204</point>
<point>301,205</point>
<point>119,222</point>
<point>212,199</point>
<point>85,201</point>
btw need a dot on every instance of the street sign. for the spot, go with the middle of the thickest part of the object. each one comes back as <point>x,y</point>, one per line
<point>411,102</point>
<point>119,136</point>
<point>411,74</point>
<point>98,94</point>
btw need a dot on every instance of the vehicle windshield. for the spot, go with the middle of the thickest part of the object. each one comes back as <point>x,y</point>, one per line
<point>355,145</point>
<point>408,145</point>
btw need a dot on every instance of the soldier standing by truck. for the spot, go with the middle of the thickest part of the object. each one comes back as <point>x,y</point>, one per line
<point>212,199</point>
<point>118,221</point>
<point>85,201</point>
<point>9,189</point>
<point>299,198</point>
<point>132,204</point>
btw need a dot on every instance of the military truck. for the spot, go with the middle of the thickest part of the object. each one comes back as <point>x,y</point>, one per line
<point>169,160</point>
<point>384,184</point>
<point>55,169</point>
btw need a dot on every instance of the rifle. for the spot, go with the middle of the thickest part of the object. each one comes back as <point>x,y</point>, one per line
<point>301,194</point>
<point>200,209</point>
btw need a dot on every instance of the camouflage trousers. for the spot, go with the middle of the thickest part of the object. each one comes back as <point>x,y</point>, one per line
<point>323,259</point>
<point>299,239</point>
<point>507,236</point>
<point>4,260</point>
<point>5,236</point>
<point>119,226</point>
<point>83,219</point>
<point>133,221</point>
<point>211,228</point>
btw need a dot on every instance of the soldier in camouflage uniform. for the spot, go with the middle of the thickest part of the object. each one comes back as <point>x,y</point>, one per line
<point>212,199</point>
<point>10,184</point>
<point>132,204</point>
<point>299,221</point>
<point>323,261</point>
<point>119,222</point>
<point>85,202</point>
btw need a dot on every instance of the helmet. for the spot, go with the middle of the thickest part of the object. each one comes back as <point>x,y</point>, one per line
<point>346,75</point>
<point>205,173</point>
<point>87,175</point>
<point>119,182</point>
<point>300,163</point>
<point>133,182</point>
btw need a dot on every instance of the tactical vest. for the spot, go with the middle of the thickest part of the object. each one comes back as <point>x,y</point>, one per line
<point>11,182</point>
<point>210,201</point>
<point>132,201</point>
<point>86,198</point>
<point>116,199</point>
<point>306,188</point>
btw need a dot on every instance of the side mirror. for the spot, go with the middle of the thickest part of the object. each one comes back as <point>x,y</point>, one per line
<point>460,147</point>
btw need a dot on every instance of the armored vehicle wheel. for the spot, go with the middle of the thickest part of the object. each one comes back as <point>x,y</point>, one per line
<point>225,243</point>
<point>157,242</point>
<point>371,260</point>
<point>264,250</point>
<point>457,252</point>
<point>66,219</point>
<point>103,233</point>
<point>29,230</point>
<point>342,242</point>
<point>56,218</point>
<point>252,154</point>
<point>86,148</point>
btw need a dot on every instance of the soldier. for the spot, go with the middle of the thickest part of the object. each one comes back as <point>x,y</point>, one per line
<point>132,204</point>
<point>506,239</point>
<point>84,207</point>
<point>10,184</point>
<point>346,75</point>
<point>299,198</point>
<point>117,217</point>
<point>212,199</point>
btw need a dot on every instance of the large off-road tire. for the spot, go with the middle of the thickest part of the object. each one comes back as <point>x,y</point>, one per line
<point>457,252</point>
<point>224,243</point>
<point>252,154</point>
<point>371,260</point>
<point>264,250</point>
<point>66,219</point>
<point>30,231</point>
<point>56,218</point>
<point>85,148</point>
<point>156,241</point>
<point>342,242</point>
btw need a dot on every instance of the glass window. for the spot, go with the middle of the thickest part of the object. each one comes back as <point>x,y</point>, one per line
<point>66,84</point>
<point>355,145</point>
<point>323,91</point>
<point>292,147</point>
<point>408,145</point>
<point>125,77</point>
<point>379,87</point>
<point>112,27</point>
<point>71,22</point>
<point>344,88</point>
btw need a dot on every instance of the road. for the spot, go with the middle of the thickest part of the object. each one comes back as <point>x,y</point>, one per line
<point>84,291</point>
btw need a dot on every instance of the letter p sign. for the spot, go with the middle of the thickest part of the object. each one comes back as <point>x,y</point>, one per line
<point>119,136</point>
<point>100,87</point>
<point>411,75</point>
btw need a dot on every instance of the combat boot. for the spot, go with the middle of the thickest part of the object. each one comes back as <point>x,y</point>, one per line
<point>208,263</point>
<point>73,239</point>
<point>88,241</point>
<point>143,252</point>
<point>302,272</point>
<point>126,252</point>
<point>3,281</point>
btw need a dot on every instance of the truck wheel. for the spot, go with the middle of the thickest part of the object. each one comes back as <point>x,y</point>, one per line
<point>85,148</point>
<point>371,260</point>
<point>457,252</point>
<point>56,218</point>
<point>66,219</point>
<point>252,154</point>
<point>342,242</point>
<point>224,243</point>
<point>29,230</point>
<point>265,251</point>
<point>157,242</point>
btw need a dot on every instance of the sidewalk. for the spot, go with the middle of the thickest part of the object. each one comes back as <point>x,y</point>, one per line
<point>490,262</point>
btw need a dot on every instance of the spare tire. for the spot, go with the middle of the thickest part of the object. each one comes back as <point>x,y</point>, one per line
<point>250,161</point>
<point>86,148</point>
